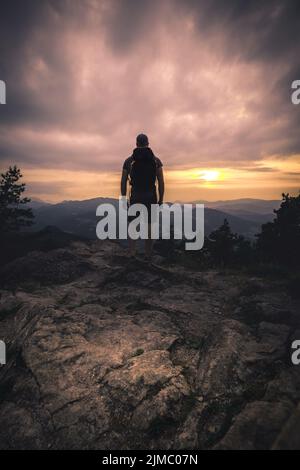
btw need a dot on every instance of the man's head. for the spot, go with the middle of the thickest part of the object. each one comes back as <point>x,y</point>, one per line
<point>142,140</point>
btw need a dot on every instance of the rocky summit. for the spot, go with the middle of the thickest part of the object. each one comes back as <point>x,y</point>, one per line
<point>108,353</point>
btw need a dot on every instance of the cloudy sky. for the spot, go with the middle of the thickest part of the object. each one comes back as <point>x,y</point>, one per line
<point>209,81</point>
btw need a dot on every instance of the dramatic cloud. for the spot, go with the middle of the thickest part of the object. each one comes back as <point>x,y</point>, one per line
<point>209,81</point>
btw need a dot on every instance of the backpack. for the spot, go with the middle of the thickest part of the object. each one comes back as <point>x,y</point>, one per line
<point>143,171</point>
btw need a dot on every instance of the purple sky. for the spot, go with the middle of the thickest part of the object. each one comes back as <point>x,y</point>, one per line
<point>208,81</point>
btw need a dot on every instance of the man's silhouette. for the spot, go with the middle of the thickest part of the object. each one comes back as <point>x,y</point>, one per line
<point>143,169</point>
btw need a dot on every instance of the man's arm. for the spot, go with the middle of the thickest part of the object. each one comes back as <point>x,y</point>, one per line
<point>161,185</point>
<point>124,182</point>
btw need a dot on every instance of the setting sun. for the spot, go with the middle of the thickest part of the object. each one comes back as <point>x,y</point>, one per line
<point>210,175</point>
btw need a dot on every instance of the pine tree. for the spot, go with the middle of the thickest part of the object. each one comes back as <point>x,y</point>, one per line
<point>221,244</point>
<point>13,214</point>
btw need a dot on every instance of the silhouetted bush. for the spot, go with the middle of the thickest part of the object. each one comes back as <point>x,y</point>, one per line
<point>279,241</point>
<point>225,248</point>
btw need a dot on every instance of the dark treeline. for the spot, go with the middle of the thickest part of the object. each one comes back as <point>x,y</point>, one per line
<point>277,244</point>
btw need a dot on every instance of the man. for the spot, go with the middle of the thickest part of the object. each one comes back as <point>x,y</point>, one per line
<point>143,169</point>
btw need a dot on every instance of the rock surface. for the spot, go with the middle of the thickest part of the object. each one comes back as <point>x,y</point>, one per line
<point>106,353</point>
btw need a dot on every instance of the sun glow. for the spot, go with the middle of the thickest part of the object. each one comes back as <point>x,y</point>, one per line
<point>209,175</point>
<point>262,179</point>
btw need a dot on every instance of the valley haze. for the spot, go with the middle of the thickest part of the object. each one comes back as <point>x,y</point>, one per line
<point>245,216</point>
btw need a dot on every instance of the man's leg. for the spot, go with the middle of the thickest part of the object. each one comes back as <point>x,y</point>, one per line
<point>131,243</point>
<point>148,244</point>
<point>132,246</point>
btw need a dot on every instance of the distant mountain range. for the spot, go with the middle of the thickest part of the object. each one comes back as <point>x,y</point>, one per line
<point>256,210</point>
<point>245,216</point>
